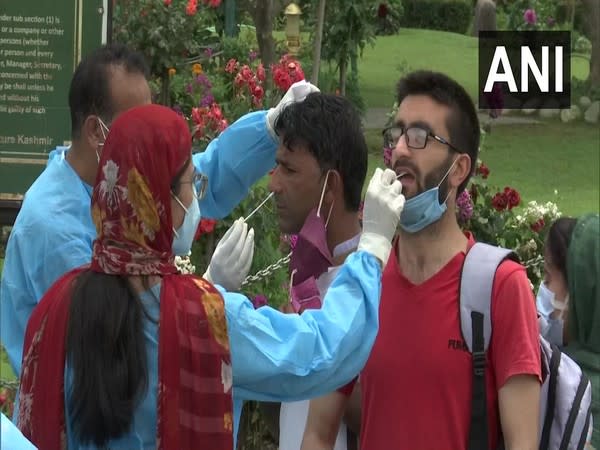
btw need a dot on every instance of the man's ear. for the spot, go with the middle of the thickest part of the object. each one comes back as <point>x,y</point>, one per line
<point>335,187</point>
<point>461,170</point>
<point>91,133</point>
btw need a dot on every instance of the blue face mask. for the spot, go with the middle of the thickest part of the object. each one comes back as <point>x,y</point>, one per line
<point>184,236</point>
<point>424,209</point>
<point>543,300</point>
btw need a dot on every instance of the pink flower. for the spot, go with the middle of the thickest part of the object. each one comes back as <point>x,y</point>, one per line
<point>530,17</point>
<point>259,300</point>
<point>231,66</point>
<point>387,156</point>
<point>464,206</point>
<point>538,225</point>
<point>260,72</point>
<point>192,7</point>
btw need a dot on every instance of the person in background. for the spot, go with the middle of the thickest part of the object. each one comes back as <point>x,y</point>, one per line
<point>570,297</point>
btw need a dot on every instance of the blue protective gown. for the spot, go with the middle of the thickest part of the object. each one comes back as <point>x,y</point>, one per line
<point>275,356</point>
<point>54,231</point>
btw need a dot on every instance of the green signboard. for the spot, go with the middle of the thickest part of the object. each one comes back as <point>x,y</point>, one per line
<point>41,43</point>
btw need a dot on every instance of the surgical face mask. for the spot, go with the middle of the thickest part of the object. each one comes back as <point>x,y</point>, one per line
<point>553,329</point>
<point>184,235</point>
<point>543,300</point>
<point>104,130</point>
<point>310,258</point>
<point>424,209</point>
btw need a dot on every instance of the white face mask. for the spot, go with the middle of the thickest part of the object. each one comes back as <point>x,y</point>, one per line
<point>104,130</point>
<point>184,236</point>
<point>552,329</point>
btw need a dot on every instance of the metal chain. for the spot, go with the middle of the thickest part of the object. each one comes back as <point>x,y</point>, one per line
<point>267,271</point>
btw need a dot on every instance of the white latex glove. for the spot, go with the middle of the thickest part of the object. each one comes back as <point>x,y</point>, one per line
<point>296,93</point>
<point>381,213</point>
<point>232,258</point>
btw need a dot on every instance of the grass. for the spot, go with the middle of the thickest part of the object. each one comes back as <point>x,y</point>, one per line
<point>411,49</point>
<point>537,160</point>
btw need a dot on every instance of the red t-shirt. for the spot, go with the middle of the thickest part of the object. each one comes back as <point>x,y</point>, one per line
<point>416,385</point>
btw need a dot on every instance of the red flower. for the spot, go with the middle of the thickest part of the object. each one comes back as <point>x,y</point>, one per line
<point>168,2</point>
<point>500,201</point>
<point>287,72</point>
<point>192,7</point>
<point>231,66</point>
<point>239,80</point>
<point>247,73</point>
<point>538,225</point>
<point>513,198</point>
<point>260,72</point>
<point>258,93</point>
<point>282,79</point>
<point>205,226</point>
<point>483,171</point>
<point>197,115</point>
<point>222,125</point>
<point>213,3</point>
<point>215,111</point>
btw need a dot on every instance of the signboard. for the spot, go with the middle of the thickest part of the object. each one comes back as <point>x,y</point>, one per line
<point>41,43</point>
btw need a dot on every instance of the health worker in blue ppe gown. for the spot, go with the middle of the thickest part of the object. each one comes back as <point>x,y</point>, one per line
<point>54,232</point>
<point>11,438</point>
<point>182,347</point>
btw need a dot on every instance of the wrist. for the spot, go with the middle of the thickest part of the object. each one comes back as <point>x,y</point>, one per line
<point>377,245</point>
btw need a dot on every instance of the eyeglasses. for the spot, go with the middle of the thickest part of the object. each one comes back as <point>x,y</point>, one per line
<point>200,181</point>
<point>416,137</point>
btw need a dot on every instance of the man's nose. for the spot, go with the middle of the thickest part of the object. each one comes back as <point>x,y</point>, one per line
<point>273,185</point>
<point>401,149</point>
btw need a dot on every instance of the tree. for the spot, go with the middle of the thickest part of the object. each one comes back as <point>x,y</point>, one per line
<point>347,31</point>
<point>263,13</point>
<point>592,14</point>
<point>318,42</point>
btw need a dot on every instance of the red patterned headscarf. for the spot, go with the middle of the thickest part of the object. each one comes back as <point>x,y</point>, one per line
<point>146,148</point>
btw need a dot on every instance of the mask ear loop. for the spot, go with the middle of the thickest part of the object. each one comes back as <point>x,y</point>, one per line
<point>291,284</point>
<point>184,208</point>
<point>323,196</point>
<point>444,177</point>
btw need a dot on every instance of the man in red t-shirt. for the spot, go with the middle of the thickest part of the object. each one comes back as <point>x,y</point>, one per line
<point>417,384</point>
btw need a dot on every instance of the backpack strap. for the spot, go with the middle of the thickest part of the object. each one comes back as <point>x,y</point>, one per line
<point>477,280</point>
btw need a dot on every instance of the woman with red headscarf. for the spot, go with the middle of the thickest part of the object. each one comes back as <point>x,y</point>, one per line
<point>127,353</point>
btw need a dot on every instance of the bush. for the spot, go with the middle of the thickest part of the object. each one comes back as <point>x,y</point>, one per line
<point>445,15</point>
<point>388,16</point>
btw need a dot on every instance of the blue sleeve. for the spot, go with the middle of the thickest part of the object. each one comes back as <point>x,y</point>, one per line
<point>233,162</point>
<point>12,438</point>
<point>33,263</point>
<point>288,357</point>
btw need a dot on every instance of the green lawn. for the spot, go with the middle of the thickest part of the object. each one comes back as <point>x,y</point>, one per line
<point>537,160</point>
<point>451,53</point>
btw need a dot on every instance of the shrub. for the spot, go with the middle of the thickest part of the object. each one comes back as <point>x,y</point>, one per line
<point>445,15</point>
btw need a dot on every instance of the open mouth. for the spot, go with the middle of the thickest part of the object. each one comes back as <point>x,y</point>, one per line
<point>405,176</point>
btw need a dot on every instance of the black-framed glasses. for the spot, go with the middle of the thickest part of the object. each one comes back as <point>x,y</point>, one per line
<point>200,181</point>
<point>416,137</point>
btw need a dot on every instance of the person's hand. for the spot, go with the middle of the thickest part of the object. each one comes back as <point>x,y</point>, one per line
<point>232,258</point>
<point>381,213</point>
<point>296,93</point>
